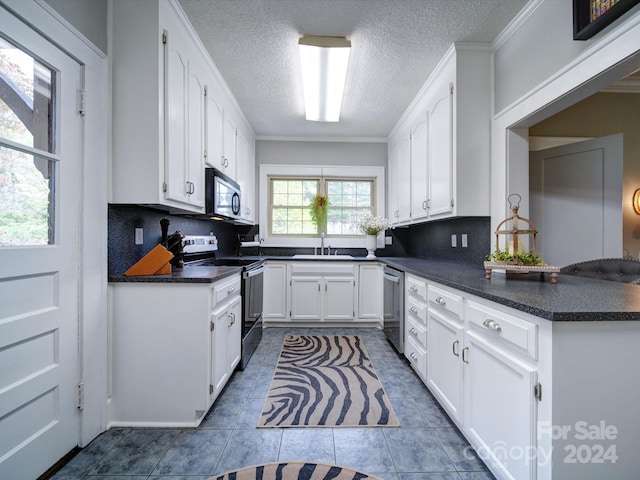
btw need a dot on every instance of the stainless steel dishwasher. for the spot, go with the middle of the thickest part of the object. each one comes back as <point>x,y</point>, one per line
<point>393,312</point>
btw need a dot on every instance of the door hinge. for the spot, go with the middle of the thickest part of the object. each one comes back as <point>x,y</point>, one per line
<point>291,283</point>
<point>205,90</point>
<point>452,203</point>
<point>537,391</point>
<point>164,37</point>
<point>451,89</point>
<point>164,186</point>
<point>210,389</point>
<point>212,326</point>
<point>81,396</point>
<point>82,102</point>
<point>290,316</point>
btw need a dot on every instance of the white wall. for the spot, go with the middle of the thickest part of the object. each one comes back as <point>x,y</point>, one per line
<point>320,153</point>
<point>534,80</point>
<point>88,16</point>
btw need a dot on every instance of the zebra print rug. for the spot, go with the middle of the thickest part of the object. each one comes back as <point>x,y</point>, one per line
<point>294,471</point>
<point>326,381</point>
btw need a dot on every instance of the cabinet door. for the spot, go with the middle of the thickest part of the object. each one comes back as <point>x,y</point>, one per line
<point>419,170</point>
<point>306,298</point>
<point>234,334</point>
<point>195,129</point>
<point>275,292</point>
<point>219,367</point>
<point>400,180</point>
<point>229,147</point>
<point>339,301</point>
<point>404,180</point>
<point>370,292</point>
<point>444,376</point>
<point>441,155</point>
<point>176,71</point>
<point>213,121</point>
<point>500,408</point>
<point>246,176</point>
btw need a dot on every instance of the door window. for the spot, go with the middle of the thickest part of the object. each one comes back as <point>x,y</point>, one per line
<point>27,168</point>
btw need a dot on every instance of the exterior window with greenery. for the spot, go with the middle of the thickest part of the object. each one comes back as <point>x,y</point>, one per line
<point>290,201</point>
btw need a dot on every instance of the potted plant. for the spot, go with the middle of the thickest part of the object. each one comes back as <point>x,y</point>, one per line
<point>371,226</point>
<point>528,259</point>
<point>319,211</point>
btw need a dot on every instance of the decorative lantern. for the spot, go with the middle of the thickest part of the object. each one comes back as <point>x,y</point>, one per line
<point>512,258</point>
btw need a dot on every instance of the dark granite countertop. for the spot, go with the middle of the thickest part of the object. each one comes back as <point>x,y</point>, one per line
<point>189,274</point>
<point>571,299</point>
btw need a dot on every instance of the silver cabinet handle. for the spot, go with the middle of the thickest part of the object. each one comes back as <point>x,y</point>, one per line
<point>413,288</point>
<point>441,301</point>
<point>424,205</point>
<point>231,290</point>
<point>492,325</point>
<point>414,356</point>
<point>413,310</point>
<point>233,318</point>
<point>465,359</point>
<point>414,331</point>
<point>455,344</point>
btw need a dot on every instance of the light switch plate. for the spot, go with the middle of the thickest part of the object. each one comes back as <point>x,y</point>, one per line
<point>388,240</point>
<point>463,239</point>
<point>454,240</point>
<point>139,236</point>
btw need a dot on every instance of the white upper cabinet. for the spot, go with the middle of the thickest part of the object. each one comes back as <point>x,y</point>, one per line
<point>399,180</point>
<point>419,169</point>
<point>448,125</point>
<point>246,177</point>
<point>172,113</point>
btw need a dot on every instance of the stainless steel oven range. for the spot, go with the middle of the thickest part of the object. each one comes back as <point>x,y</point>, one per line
<point>200,250</point>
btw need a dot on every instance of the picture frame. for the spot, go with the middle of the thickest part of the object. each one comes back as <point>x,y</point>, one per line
<point>592,16</point>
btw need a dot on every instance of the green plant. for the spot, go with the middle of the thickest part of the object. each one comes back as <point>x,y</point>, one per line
<point>319,210</point>
<point>516,258</point>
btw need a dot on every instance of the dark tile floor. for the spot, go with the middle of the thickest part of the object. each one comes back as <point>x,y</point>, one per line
<point>427,446</point>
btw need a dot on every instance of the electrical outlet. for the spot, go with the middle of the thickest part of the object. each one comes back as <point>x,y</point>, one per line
<point>454,240</point>
<point>139,236</point>
<point>463,239</point>
<point>388,240</point>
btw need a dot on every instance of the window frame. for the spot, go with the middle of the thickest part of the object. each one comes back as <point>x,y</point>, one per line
<point>322,173</point>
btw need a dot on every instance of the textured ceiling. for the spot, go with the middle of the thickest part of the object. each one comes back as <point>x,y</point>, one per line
<point>395,46</point>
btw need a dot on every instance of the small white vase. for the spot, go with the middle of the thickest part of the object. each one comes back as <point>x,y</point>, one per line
<point>372,244</point>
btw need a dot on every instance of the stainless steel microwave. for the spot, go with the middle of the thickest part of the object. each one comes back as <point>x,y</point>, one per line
<point>222,195</point>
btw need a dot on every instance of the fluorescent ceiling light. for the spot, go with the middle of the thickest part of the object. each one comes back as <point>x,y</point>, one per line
<point>324,62</point>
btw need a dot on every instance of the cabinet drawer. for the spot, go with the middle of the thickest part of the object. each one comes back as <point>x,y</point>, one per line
<point>327,267</point>
<point>417,332</point>
<point>514,332</point>
<point>417,356</point>
<point>225,289</point>
<point>416,310</point>
<point>444,299</point>
<point>416,287</point>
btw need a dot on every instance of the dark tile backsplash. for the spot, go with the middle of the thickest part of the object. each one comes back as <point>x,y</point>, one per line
<point>426,240</point>
<point>123,219</point>
<point>433,239</point>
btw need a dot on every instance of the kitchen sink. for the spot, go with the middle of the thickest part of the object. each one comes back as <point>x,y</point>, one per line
<point>322,257</point>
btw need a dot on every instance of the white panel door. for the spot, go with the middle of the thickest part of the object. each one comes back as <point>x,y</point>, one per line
<point>40,167</point>
<point>440,146</point>
<point>576,200</point>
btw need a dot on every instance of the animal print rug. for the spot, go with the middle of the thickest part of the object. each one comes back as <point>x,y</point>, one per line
<point>326,381</point>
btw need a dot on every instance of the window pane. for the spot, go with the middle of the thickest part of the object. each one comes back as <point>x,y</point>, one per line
<point>26,193</point>
<point>348,198</point>
<point>290,214</point>
<point>25,99</point>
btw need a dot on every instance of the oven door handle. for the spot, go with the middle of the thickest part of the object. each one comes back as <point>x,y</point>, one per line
<point>253,272</point>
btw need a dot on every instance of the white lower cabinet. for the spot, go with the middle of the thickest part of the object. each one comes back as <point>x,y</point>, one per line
<point>500,410</point>
<point>481,366</point>
<point>274,307</point>
<point>444,378</point>
<point>167,364</point>
<point>226,333</point>
<point>370,292</point>
<point>306,298</point>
